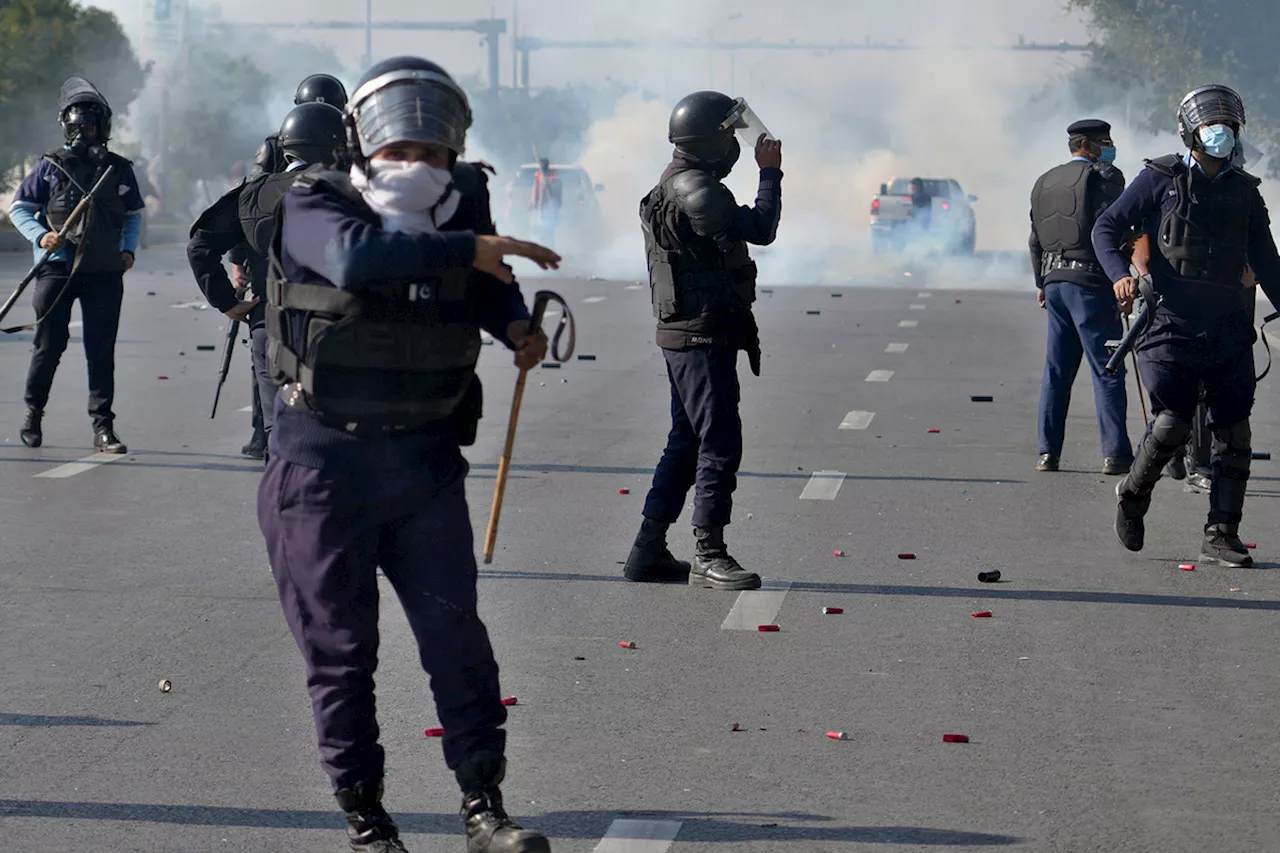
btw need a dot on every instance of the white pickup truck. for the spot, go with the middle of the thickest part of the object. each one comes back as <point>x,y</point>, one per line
<point>949,226</point>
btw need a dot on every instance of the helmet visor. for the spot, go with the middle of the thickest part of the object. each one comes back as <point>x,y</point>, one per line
<point>1213,105</point>
<point>744,121</point>
<point>412,109</point>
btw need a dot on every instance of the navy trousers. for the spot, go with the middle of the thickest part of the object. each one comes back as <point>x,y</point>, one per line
<point>264,387</point>
<point>326,536</point>
<point>101,295</point>
<point>704,447</point>
<point>1081,320</point>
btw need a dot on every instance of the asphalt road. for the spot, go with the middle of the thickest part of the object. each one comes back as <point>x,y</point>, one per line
<point>1113,702</point>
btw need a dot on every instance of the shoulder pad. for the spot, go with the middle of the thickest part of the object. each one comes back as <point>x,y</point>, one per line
<point>229,202</point>
<point>1168,165</point>
<point>690,181</point>
<point>1253,180</point>
<point>321,178</point>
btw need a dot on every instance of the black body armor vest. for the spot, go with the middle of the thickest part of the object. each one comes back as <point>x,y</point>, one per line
<point>94,242</point>
<point>1064,205</point>
<point>691,275</point>
<point>259,200</point>
<point>395,357</point>
<point>1205,236</point>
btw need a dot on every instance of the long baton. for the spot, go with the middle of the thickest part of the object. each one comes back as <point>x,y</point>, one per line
<point>1142,392</point>
<point>504,465</point>
<point>76,213</point>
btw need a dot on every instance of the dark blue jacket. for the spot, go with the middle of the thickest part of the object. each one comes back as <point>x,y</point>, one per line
<point>326,240</point>
<point>1195,307</point>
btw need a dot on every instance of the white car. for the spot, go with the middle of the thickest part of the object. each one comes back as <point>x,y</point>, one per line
<point>951,223</point>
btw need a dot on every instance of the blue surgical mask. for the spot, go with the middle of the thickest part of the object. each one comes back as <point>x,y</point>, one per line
<point>1218,140</point>
<point>1108,154</point>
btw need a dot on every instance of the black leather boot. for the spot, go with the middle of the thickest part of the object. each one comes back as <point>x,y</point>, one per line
<point>650,560</point>
<point>369,827</point>
<point>713,567</point>
<point>489,830</point>
<point>1130,509</point>
<point>105,440</point>
<point>32,435</point>
<point>1222,546</point>
<point>257,446</point>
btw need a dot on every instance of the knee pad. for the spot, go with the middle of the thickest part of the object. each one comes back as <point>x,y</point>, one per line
<point>1234,445</point>
<point>1170,431</point>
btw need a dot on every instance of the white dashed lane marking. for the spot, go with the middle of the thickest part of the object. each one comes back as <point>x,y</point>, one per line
<point>857,420</point>
<point>639,836</point>
<point>823,486</point>
<point>908,324</point>
<point>880,376</point>
<point>924,296</point>
<point>70,469</point>
<point>595,299</point>
<point>756,607</point>
<point>918,306</point>
<point>896,348</point>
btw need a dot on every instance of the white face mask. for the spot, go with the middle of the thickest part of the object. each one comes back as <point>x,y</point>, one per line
<point>408,195</point>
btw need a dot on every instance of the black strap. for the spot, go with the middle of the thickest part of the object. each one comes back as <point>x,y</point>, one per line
<point>313,298</point>
<point>1262,332</point>
<point>566,321</point>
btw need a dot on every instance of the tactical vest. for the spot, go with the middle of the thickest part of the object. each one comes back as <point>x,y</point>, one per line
<point>391,357</point>
<point>95,242</point>
<point>688,277</point>
<point>258,202</point>
<point>1063,214</point>
<point>1205,235</point>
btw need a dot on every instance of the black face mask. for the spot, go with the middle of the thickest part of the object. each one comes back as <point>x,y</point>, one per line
<point>717,156</point>
<point>724,166</point>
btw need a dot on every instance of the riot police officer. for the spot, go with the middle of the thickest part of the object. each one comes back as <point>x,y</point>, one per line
<point>1076,293</point>
<point>703,283</point>
<point>89,266</point>
<point>244,220</point>
<point>318,88</point>
<point>379,279</point>
<point>1206,221</point>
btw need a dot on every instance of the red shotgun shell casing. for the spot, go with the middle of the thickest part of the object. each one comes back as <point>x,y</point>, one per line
<point>837,735</point>
<point>624,491</point>
<point>509,701</point>
<point>830,610</point>
<point>434,733</point>
<point>628,644</point>
<point>982,614</point>
<point>767,628</point>
<point>736,728</point>
<point>955,738</point>
<point>838,553</point>
<point>906,556</point>
<point>935,430</point>
<point>1251,545</point>
<point>1187,567</point>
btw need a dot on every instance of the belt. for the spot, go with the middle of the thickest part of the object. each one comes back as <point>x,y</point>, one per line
<point>1057,262</point>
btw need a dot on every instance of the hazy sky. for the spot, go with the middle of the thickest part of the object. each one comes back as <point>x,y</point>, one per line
<point>971,21</point>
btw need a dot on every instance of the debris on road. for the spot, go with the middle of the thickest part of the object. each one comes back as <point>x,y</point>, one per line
<point>434,733</point>
<point>955,738</point>
<point>586,358</point>
<point>838,553</point>
<point>736,728</point>
<point>578,657</point>
<point>813,312</point>
<point>989,577</point>
<point>906,556</point>
<point>205,347</point>
<point>934,431</point>
<point>1187,567</point>
<point>766,290</point>
<point>550,365</point>
<point>982,614</point>
<point>837,735</point>
<point>151,293</point>
<point>165,685</point>
<point>1250,545</point>
<point>831,611</point>
<point>768,629</point>
<point>509,701</point>
<point>1235,589</point>
<point>836,295</point>
<point>162,377</point>
<point>982,399</point>
<point>628,644</point>
<point>624,491</point>
<point>1262,454</point>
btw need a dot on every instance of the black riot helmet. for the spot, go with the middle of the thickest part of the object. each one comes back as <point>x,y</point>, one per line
<point>84,114</point>
<point>1215,104</point>
<point>324,88</point>
<point>702,129</point>
<point>314,133</point>
<point>407,99</point>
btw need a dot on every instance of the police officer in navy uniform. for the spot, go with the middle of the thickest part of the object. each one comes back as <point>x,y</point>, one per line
<point>1206,221</point>
<point>243,222</point>
<point>317,88</point>
<point>91,263</point>
<point>379,281</point>
<point>703,283</point>
<point>1076,293</point>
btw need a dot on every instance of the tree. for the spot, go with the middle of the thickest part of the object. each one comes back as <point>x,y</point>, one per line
<point>42,42</point>
<point>1166,48</point>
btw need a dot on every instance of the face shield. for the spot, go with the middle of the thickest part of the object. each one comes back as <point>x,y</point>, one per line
<point>744,121</point>
<point>411,106</point>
